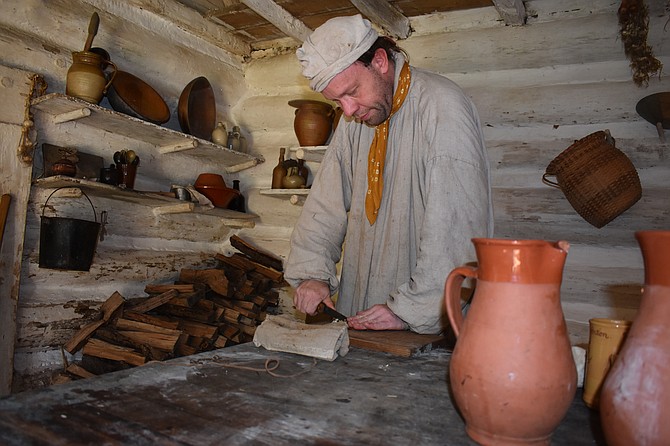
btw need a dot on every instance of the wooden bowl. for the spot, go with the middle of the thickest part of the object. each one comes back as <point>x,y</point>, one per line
<point>131,95</point>
<point>197,109</point>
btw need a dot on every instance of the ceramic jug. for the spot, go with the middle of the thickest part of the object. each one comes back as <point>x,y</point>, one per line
<point>293,180</point>
<point>635,398</point>
<point>220,135</point>
<point>86,78</point>
<point>512,373</point>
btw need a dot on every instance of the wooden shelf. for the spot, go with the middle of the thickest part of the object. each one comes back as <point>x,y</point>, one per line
<point>284,192</point>
<point>161,204</point>
<point>309,153</point>
<point>64,108</point>
<point>295,196</point>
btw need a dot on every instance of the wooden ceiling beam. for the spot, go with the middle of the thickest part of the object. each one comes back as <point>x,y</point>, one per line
<point>279,17</point>
<point>513,12</point>
<point>386,16</point>
<point>187,26</point>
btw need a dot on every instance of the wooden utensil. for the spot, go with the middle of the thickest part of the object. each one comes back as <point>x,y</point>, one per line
<point>93,25</point>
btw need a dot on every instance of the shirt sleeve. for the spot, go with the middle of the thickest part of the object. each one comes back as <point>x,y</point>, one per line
<point>316,241</point>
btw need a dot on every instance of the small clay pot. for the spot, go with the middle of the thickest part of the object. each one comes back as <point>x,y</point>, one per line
<point>313,121</point>
<point>293,180</point>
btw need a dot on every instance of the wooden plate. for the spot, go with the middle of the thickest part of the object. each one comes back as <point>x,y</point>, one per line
<point>197,109</point>
<point>131,95</point>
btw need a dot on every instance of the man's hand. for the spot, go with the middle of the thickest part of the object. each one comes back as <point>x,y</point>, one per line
<point>309,294</point>
<point>377,317</point>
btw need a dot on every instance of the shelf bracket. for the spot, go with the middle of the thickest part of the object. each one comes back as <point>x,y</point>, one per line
<point>72,115</point>
<point>178,208</point>
<point>178,147</point>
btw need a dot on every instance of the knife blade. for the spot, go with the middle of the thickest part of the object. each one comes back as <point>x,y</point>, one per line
<point>323,308</point>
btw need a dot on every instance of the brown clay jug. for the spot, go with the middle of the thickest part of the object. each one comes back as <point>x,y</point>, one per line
<point>313,121</point>
<point>86,78</point>
<point>293,180</point>
<point>512,373</point>
<point>635,397</point>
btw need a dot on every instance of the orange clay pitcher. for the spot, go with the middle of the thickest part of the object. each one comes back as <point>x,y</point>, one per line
<point>512,373</point>
<point>635,398</point>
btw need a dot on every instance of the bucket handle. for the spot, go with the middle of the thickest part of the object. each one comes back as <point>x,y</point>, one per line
<point>95,217</point>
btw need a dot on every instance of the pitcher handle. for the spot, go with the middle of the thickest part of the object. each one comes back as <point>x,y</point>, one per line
<point>452,295</point>
<point>111,78</point>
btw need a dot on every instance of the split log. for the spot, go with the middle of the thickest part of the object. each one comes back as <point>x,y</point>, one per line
<point>246,264</point>
<point>162,341</point>
<point>180,288</point>
<point>262,257</point>
<point>188,313</point>
<point>79,371</point>
<point>131,325</point>
<point>108,308</point>
<point>156,320</point>
<point>155,301</point>
<point>194,328</point>
<point>214,278</point>
<point>102,349</point>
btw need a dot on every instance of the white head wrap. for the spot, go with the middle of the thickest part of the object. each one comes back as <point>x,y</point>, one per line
<point>332,47</point>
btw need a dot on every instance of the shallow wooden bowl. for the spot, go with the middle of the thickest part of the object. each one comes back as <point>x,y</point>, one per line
<point>197,109</point>
<point>131,95</point>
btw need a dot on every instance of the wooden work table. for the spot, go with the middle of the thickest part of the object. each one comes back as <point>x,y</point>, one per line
<point>217,398</point>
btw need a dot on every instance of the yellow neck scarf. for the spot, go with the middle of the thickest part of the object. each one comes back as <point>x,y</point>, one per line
<point>377,154</point>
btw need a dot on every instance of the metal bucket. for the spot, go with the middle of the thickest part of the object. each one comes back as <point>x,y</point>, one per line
<point>68,243</point>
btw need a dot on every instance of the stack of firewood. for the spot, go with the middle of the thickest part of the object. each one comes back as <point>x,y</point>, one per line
<point>204,309</point>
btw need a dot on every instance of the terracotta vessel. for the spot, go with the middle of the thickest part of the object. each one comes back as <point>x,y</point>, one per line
<point>512,373</point>
<point>635,398</point>
<point>86,79</point>
<point>313,121</point>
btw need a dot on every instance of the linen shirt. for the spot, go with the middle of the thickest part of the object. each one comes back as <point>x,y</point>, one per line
<point>436,197</point>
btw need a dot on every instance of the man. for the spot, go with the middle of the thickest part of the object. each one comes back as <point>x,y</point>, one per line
<point>403,186</point>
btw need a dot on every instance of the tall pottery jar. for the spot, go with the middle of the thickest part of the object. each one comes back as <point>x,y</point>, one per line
<point>86,77</point>
<point>512,373</point>
<point>313,121</point>
<point>635,398</point>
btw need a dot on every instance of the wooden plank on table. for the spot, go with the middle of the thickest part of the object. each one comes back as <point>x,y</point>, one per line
<point>400,343</point>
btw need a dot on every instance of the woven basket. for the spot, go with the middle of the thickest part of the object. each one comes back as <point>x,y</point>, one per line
<point>599,180</point>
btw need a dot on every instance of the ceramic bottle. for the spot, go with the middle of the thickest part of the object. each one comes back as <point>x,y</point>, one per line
<point>238,203</point>
<point>220,135</point>
<point>635,397</point>
<point>279,172</point>
<point>234,139</point>
<point>512,373</point>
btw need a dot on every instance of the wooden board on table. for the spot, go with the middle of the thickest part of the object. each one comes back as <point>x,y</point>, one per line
<point>400,343</point>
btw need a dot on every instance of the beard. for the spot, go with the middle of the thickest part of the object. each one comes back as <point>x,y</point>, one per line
<point>381,110</point>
